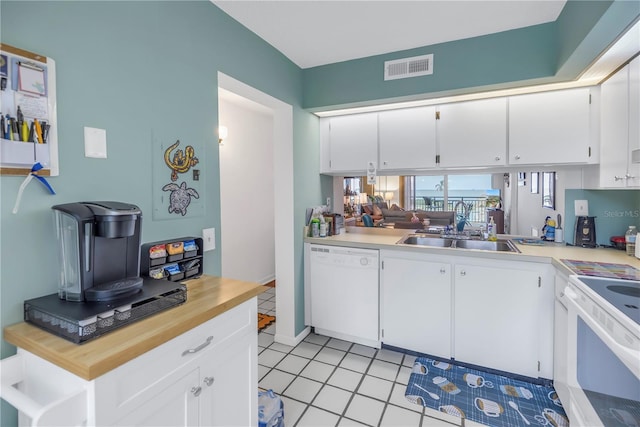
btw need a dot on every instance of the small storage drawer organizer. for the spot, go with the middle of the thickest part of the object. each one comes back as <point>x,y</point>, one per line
<point>174,260</point>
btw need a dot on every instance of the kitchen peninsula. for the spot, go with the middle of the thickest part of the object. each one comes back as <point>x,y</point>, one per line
<point>489,309</point>
<point>160,368</point>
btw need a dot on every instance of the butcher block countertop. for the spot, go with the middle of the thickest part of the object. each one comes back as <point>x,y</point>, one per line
<point>554,253</point>
<point>207,297</point>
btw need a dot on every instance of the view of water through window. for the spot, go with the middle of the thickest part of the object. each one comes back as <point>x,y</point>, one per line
<point>464,194</point>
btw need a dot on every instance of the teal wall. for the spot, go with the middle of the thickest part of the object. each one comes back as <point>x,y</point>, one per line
<point>142,71</point>
<point>585,28</point>
<point>460,64</point>
<point>615,211</point>
<point>545,53</point>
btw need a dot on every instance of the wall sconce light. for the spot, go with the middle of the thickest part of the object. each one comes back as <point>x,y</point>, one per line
<point>223,132</point>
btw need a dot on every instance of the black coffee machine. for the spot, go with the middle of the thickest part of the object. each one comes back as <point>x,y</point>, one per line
<point>99,247</point>
<point>585,231</point>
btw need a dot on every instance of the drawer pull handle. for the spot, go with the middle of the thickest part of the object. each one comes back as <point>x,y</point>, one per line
<point>198,348</point>
<point>463,273</point>
<point>208,381</point>
<point>196,391</point>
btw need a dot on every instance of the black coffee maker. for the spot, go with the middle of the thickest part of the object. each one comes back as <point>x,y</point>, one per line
<point>585,231</point>
<point>99,247</point>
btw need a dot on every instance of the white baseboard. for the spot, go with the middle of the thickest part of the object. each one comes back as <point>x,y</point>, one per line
<point>292,341</point>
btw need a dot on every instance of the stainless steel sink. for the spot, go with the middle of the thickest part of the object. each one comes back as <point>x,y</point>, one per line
<point>485,245</point>
<point>440,242</point>
<point>419,240</point>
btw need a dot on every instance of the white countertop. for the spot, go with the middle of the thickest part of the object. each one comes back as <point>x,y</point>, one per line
<point>385,238</point>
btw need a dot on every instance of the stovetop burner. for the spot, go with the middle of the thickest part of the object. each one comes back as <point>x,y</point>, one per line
<point>622,294</point>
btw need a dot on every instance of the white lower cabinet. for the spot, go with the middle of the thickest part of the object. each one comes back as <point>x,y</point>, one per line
<point>492,313</point>
<point>205,377</point>
<point>172,404</point>
<point>497,318</point>
<point>416,304</point>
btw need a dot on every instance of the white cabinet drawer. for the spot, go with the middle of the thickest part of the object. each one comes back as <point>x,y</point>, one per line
<point>129,385</point>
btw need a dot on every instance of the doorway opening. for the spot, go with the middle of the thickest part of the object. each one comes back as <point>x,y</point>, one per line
<point>281,230</point>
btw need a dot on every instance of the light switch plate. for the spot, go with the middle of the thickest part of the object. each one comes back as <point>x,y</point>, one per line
<point>208,239</point>
<point>581,207</point>
<point>95,143</point>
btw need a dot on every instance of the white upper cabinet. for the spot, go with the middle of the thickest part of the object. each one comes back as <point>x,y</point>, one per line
<point>620,128</point>
<point>407,138</point>
<point>353,142</point>
<point>472,133</point>
<point>551,128</point>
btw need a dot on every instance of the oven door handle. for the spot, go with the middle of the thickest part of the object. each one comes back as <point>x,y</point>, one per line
<point>629,356</point>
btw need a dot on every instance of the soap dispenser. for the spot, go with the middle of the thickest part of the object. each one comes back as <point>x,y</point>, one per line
<point>491,230</point>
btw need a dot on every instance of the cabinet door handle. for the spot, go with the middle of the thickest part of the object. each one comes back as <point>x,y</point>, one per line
<point>618,178</point>
<point>629,176</point>
<point>443,270</point>
<point>198,348</point>
<point>517,157</point>
<point>196,391</point>
<point>208,381</point>
<point>463,273</point>
<point>497,158</point>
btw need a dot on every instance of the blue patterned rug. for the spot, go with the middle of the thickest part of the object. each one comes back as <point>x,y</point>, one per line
<point>483,397</point>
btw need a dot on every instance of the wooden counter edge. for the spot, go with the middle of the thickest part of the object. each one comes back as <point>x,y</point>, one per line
<point>97,357</point>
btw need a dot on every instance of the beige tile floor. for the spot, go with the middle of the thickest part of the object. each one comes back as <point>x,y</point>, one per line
<point>324,381</point>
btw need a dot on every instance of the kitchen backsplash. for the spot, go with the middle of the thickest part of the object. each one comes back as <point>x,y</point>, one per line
<point>615,211</point>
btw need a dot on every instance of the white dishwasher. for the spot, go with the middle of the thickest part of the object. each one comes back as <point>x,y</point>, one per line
<point>344,289</point>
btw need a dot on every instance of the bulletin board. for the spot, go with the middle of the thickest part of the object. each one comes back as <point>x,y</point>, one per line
<point>28,109</point>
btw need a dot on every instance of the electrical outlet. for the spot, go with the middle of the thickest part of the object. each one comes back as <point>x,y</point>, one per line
<point>329,202</point>
<point>582,207</point>
<point>208,239</point>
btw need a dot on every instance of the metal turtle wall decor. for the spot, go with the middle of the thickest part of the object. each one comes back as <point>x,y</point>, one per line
<point>180,197</point>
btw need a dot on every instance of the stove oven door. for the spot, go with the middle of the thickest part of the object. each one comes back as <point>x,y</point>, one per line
<point>603,361</point>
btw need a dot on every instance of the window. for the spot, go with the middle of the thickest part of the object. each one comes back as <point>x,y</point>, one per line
<point>467,195</point>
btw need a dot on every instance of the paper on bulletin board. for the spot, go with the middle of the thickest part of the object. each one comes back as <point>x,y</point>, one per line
<point>32,106</point>
<point>31,79</point>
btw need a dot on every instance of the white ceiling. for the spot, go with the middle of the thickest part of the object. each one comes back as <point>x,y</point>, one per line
<point>318,32</point>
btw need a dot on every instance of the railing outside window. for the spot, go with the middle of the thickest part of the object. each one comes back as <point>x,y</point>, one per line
<point>477,206</point>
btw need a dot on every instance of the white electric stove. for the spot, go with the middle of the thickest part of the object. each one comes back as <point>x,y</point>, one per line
<point>603,360</point>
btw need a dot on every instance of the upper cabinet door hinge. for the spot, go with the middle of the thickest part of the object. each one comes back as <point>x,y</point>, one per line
<point>539,281</point>
<point>382,264</point>
<point>589,99</point>
<point>437,115</point>
<point>437,159</point>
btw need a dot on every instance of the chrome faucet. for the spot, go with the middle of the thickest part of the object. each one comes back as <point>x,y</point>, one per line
<point>465,208</point>
<point>461,220</point>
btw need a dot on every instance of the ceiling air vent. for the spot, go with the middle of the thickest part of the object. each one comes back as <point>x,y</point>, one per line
<point>408,67</point>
